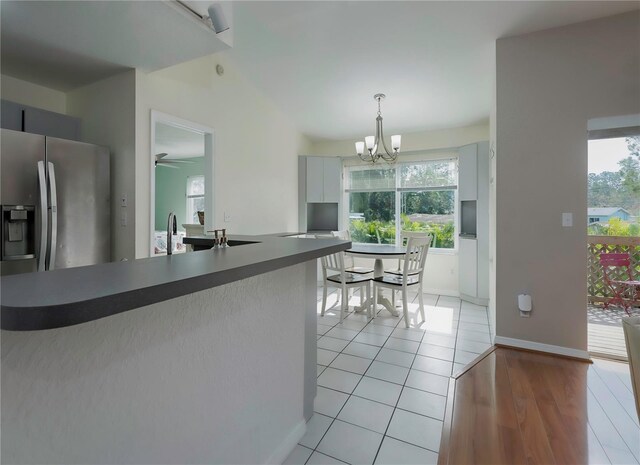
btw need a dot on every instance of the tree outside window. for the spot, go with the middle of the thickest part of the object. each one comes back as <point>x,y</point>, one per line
<point>415,196</point>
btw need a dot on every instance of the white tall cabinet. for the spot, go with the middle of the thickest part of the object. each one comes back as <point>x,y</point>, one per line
<point>319,192</point>
<point>473,185</point>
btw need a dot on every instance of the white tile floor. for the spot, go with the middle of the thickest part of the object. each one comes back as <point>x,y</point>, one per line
<point>381,387</point>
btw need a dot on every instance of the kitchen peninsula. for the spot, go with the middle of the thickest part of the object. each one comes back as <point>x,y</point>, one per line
<point>203,357</point>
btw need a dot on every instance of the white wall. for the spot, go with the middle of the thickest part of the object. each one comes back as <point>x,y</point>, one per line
<point>441,273</point>
<point>33,95</point>
<point>255,146</point>
<point>210,377</point>
<point>492,206</point>
<point>425,140</point>
<point>107,111</point>
<point>548,85</point>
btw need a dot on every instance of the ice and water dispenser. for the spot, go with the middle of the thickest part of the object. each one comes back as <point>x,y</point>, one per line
<point>18,232</point>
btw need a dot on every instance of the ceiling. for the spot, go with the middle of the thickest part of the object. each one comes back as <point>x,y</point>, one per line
<point>178,142</point>
<point>67,44</point>
<point>322,62</point>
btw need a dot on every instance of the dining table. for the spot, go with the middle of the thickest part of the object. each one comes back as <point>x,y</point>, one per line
<point>378,252</point>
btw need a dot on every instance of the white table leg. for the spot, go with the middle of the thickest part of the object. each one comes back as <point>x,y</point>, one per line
<point>378,270</point>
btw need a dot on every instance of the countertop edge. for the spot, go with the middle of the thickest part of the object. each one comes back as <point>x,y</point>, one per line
<point>31,318</point>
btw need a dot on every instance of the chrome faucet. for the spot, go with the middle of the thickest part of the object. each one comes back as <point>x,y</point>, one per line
<point>172,228</point>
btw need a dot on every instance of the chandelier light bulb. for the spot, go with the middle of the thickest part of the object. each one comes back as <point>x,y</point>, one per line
<point>395,142</point>
<point>370,141</point>
<point>359,147</point>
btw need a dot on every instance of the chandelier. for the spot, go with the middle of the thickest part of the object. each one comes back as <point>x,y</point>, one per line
<point>373,142</point>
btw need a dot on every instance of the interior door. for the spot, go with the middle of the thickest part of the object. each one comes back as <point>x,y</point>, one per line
<point>82,187</point>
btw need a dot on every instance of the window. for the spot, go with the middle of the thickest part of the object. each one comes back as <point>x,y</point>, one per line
<point>410,196</point>
<point>195,198</point>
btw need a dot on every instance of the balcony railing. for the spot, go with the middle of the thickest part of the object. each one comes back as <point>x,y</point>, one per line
<point>596,287</point>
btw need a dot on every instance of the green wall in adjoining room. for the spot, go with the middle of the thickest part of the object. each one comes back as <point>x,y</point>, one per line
<point>171,191</point>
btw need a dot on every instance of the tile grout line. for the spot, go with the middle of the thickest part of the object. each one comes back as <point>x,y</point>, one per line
<point>423,337</point>
<point>395,408</point>
<point>355,387</point>
<point>631,452</point>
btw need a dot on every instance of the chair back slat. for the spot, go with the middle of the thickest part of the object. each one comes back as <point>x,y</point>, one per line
<point>615,259</point>
<point>610,261</point>
<point>334,261</point>
<point>405,235</point>
<point>416,255</point>
<point>404,239</point>
<point>345,235</point>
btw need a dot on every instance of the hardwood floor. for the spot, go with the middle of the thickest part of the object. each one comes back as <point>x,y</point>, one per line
<point>520,407</point>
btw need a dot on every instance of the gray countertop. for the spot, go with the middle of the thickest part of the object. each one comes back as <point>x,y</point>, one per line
<point>65,297</point>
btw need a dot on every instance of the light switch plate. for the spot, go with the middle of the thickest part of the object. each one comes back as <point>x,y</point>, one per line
<point>567,220</point>
<point>123,200</point>
<point>227,217</point>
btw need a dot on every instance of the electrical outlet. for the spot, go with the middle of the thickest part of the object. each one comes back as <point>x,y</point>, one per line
<point>567,220</point>
<point>227,217</point>
<point>123,218</point>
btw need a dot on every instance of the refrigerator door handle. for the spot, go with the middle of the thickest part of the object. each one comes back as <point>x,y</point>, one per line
<point>42,184</point>
<point>53,206</point>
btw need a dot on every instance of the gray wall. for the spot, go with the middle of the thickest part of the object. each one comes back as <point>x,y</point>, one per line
<point>548,85</point>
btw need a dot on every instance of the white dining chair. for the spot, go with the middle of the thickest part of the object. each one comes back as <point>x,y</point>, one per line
<point>412,273</point>
<point>404,237</point>
<point>349,262</point>
<point>343,281</point>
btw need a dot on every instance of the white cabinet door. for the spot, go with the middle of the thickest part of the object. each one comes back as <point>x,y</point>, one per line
<point>315,179</point>
<point>468,256</point>
<point>332,175</point>
<point>468,172</point>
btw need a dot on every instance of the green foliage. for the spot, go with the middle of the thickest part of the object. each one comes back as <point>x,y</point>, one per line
<point>373,232</point>
<point>429,202</point>
<point>633,144</point>
<point>614,227</point>
<point>384,232</point>
<point>620,188</point>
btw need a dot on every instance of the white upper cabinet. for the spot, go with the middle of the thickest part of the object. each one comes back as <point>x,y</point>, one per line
<point>468,172</point>
<point>323,179</point>
<point>332,175</point>
<point>315,179</point>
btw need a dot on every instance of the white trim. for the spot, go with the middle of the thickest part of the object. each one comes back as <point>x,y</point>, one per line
<point>283,450</point>
<point>445,292</point>
<point>483,302</point>
<point>538,346</point>
<point>613,122</point>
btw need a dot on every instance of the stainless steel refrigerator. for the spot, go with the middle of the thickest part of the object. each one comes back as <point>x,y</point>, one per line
<point>55,201</point>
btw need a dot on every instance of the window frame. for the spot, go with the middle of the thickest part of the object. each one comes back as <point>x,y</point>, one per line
<point>189,197</point>
<point>398,190</point>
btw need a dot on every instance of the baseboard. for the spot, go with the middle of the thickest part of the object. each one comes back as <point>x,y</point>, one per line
<point>539,347</point>
<point>445,292</point>
<point>284,449</point>
<point>475,300</point>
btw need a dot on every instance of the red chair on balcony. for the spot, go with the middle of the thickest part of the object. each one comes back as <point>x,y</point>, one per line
<point>614,266</point>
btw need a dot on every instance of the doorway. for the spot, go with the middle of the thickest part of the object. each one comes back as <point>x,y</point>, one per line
<point>613,201</point>
<point>181,180</point>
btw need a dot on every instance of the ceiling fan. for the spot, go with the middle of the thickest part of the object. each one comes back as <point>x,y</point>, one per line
<point>169,163</point>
